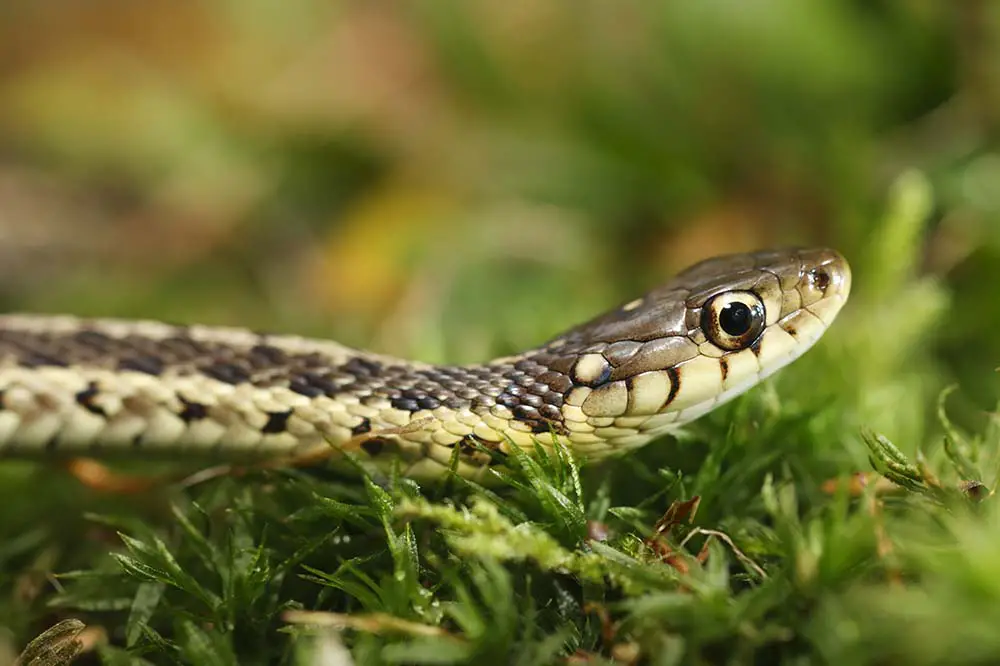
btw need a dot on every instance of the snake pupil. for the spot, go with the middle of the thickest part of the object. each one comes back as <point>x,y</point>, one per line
<point>736,318</point>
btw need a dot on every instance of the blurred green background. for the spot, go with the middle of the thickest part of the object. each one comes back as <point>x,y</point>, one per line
<point>450,180</point>
<point>445,178</point>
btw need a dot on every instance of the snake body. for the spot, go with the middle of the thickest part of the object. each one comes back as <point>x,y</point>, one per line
<point>105,387</point>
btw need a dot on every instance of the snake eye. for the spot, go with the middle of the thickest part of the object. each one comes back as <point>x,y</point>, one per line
<point>733,320</point>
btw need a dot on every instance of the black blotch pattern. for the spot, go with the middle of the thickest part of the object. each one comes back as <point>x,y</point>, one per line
<point>230,373</point>
<point>193,411</point>
<point>428,402</point>
<point>364,427</point>
<point>405,404</point>
<point>150,365</point>
<point>525,413</point>
<point>302,387</point>
<point>511,398</point>
<point>551,413</point>
<point>362,367</point>
<point>373,446</point>
<point>314,383</point>
<point>535,393</point>
<point>276,422</point>
<point>266,354</point>
<point>85,399</point>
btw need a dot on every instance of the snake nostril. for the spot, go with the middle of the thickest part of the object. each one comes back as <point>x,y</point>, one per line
<point>820,279</point>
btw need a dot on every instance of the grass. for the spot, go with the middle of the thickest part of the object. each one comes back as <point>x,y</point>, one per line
<point>803,523</point>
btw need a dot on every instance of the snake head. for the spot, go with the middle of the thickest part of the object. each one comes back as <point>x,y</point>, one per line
<point>708,335</point>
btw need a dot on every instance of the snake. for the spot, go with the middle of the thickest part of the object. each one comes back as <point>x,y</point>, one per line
<point>102,387</point>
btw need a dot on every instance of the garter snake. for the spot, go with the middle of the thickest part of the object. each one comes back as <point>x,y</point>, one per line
<point>103,387</point>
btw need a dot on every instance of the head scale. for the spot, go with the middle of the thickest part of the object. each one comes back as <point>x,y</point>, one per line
<point>711,333</point>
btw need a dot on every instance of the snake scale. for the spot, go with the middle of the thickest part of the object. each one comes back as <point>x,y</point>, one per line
<point>105,387</point>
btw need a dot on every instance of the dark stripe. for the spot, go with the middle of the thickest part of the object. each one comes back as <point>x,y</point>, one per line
<point>675,385</point>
